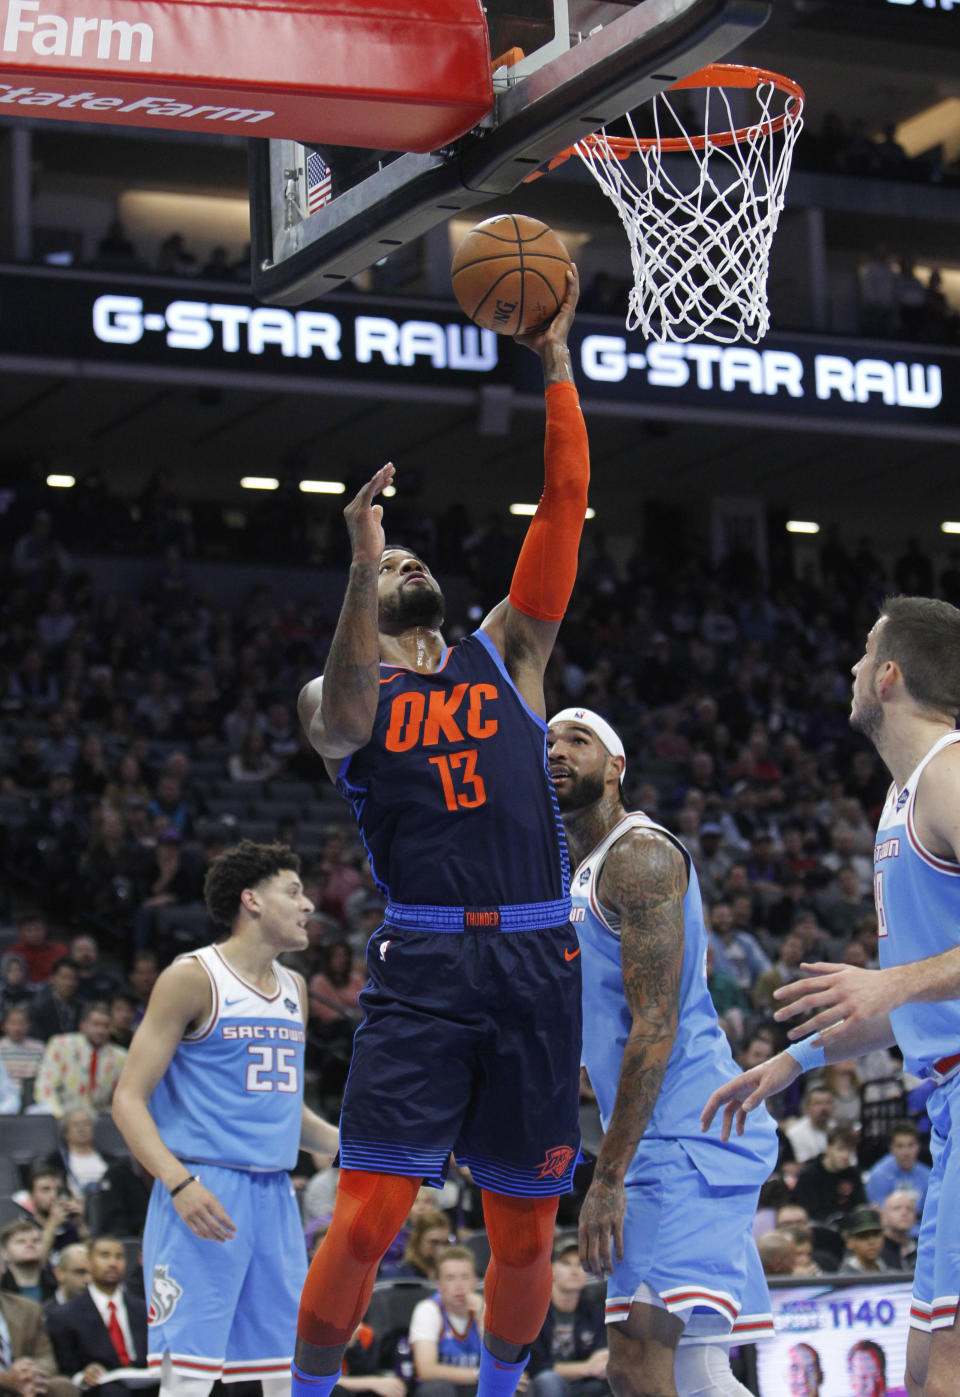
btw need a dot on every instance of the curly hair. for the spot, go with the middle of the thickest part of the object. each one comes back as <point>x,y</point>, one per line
<point>243,866</point>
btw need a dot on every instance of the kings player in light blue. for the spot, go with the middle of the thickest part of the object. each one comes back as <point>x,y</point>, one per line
<point>668,1218</point>
<point>211,1102</point>
<point>906,697</point>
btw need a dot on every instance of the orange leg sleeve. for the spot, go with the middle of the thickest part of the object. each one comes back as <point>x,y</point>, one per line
<point>519,1277</point>
<point>369,1212</point>
<point>547,567</point>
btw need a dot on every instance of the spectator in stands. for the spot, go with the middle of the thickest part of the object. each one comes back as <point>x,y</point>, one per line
<point>739,954</point>
<point>729,1000</point>
<point>843,905</point>
<point>253,762</point>
<point>80,1068</point>
<point>54,1009</point>
<point>38,559</point>
<point>59,1216</point>
<point>843,1079</point>
<point>778,1252</point>
<point>20,1054</point>
<point>24,1271</point>
<point>91,773</point>
<point>785,969</point>
<point>122,1006</point>
<point>72,1272</point>
<point>429,1235</point>
<point>335,990</point>
<point>863,1239</point>
<point>15,986</point>
<point>143,977</point>
<point>9,1093</point>
<point>96,979</point>
<point>40,953</point>
<point>805,1263</point>
<point>85,1166</point>
<point>336,867</point>
<point>446,1332</point>
<point>900,1168</point>
<point>104,1328</point>
<point>830,1186</point>
<point>122,1198</point>
<point>808,1134</point>
<point>898,1216</point>
<point>569,1356</point>
<point>128,785</point>
<point>168,809</point>
<point>27,1363</point>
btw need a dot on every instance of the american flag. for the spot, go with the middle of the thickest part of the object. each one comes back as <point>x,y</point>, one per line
<point>319,191</point>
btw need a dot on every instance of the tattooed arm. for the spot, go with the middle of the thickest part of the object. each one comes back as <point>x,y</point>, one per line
<point>337,713</point>
<point>644,880</point>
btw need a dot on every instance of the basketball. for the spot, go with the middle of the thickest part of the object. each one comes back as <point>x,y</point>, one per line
<point>510,274</point>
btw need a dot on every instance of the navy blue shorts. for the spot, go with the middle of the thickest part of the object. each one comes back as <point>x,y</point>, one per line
<point>471,1044</point>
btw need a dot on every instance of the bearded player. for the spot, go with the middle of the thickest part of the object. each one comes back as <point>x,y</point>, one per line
<point>471,1035</point>
<point>669,1215</point>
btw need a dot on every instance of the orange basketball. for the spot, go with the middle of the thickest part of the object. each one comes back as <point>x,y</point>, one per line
<point>510,274</point>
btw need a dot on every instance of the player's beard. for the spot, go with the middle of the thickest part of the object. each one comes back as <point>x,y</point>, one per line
<point>866,716</point>
<point>414,606</point>
<point>578,792</point>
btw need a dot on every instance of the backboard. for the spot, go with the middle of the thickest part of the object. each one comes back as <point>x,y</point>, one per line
<point>322,214</point>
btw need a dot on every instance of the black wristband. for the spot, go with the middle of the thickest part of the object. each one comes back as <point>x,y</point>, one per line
<point>190,1179</point>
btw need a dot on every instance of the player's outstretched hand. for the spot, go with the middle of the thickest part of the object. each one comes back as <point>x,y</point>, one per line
<point>601,1226</point>
<point>204,1214</point>
<point>554,334</point>
<point>838,992</point>
<point>365,519</point>
<point>745,1093</point>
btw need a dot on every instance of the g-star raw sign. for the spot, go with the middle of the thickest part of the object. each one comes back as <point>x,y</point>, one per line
<point>153,329</point>
<point>765,372</point>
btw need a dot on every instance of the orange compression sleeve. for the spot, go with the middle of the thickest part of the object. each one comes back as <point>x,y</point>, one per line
<point>547,567</point>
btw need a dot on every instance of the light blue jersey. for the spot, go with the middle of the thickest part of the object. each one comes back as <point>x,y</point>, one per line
<point>233,1092</point>
<point>918,915</point>
<point>231,1102</point>
<point>690,1200</point>
<point>700,1059</point>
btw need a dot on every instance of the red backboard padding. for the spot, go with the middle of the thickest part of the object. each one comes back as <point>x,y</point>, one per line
<point>389,74</point>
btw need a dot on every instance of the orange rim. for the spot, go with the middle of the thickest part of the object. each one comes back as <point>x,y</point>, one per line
<point>714,75</point>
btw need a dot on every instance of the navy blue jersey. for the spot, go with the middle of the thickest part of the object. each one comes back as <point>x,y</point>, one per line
<point>452,794</point>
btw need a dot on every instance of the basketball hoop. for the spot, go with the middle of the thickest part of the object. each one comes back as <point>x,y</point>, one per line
<point>700,229</point>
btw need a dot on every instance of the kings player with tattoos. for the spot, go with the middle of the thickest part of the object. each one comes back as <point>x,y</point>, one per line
<point>668,1218</point>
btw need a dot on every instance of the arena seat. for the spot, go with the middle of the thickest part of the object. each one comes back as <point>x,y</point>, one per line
<point>391,1305</point>
<point>10,1211</point>
<point>29,1138</point>
<point>10,1180</point>
<point>479,1245</point>
<point>107,1137</point>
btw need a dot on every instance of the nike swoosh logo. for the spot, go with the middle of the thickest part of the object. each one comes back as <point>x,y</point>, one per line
<point>570,955</point>
<point>229,1003</point>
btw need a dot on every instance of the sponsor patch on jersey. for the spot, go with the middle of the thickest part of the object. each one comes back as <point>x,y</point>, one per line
<point>289,1005</point>
<point>903,797</point>
<point>584,876</point>
<point>164,1294</point>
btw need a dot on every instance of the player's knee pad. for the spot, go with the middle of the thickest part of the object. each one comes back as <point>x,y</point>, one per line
<point>703,1370</point>
<point>520,1230</point>
<point>373,1208</point>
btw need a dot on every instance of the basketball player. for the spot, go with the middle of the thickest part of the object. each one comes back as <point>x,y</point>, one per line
<point>906,695</point>
<point>471,1038</point>
<point>668,1218</point>
<point>210,1101</point>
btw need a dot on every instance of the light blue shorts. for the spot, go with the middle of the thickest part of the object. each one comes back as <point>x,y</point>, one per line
<point>226,1309</point>
<point>936,1281</point>
<point>692,1244</point>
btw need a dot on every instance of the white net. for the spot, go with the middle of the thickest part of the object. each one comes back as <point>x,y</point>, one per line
<point>700,215</point>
